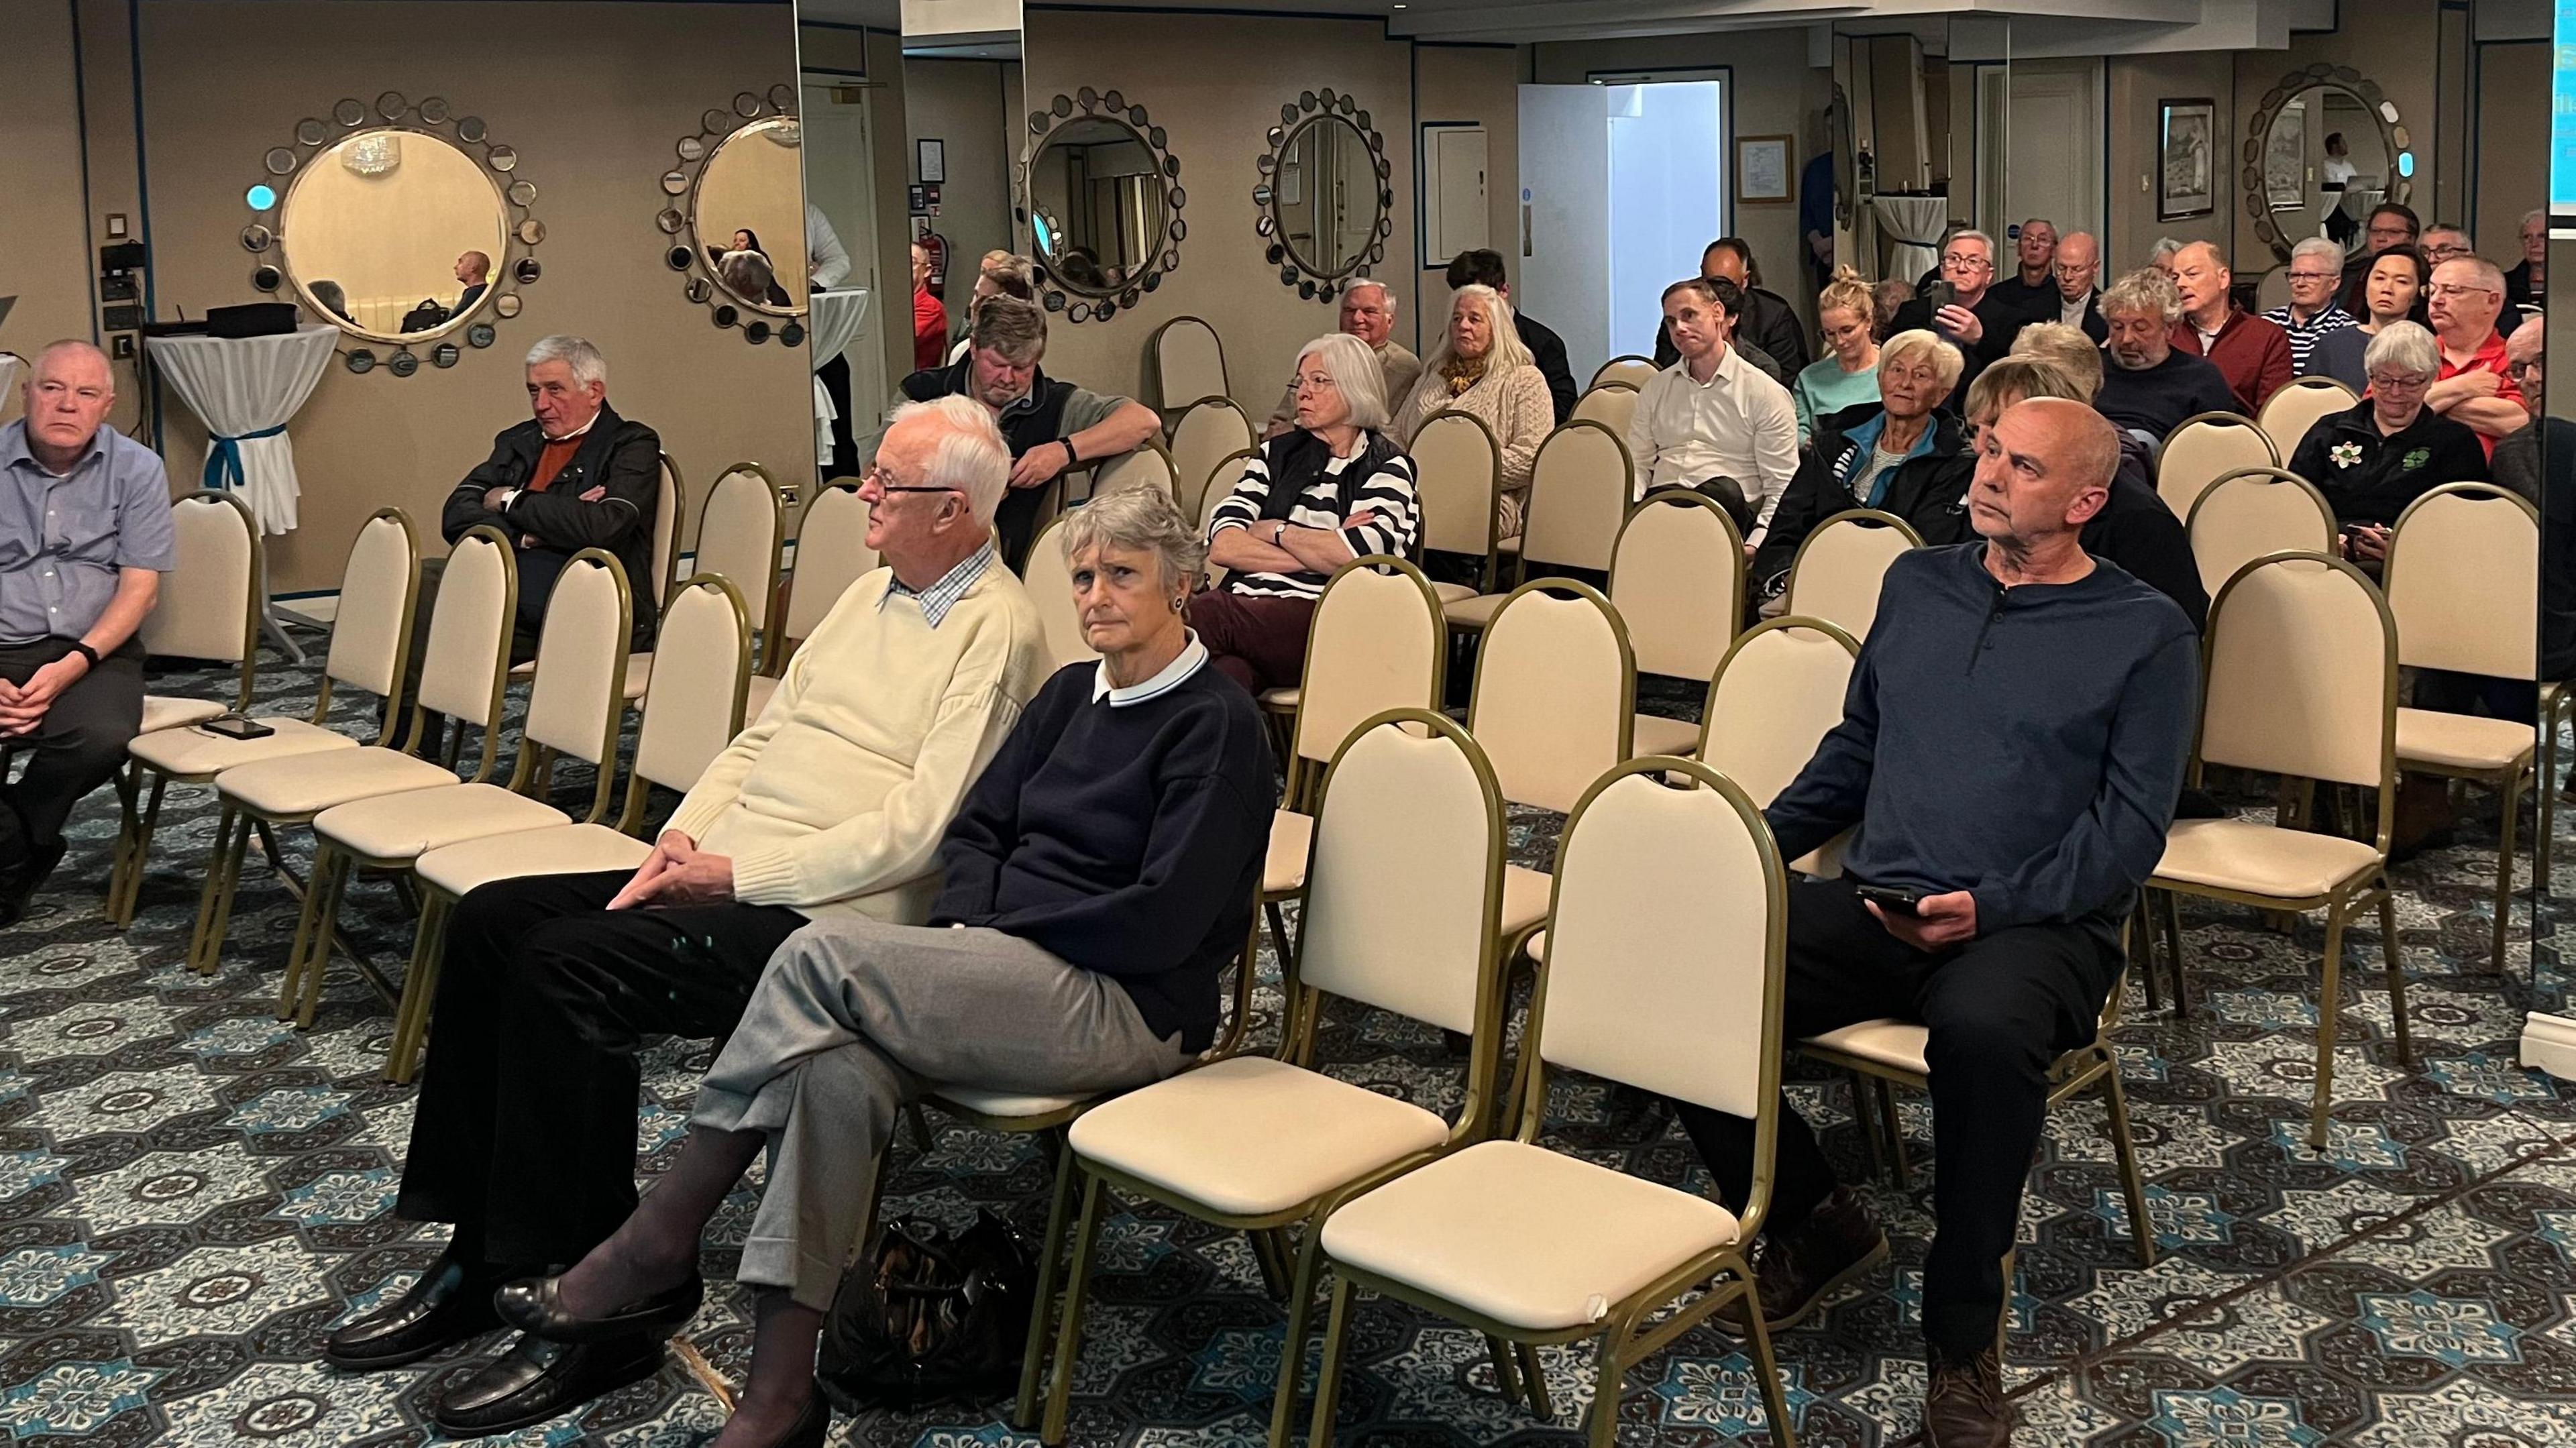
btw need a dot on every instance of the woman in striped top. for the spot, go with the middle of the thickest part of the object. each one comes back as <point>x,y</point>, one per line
<point>1311,500</point>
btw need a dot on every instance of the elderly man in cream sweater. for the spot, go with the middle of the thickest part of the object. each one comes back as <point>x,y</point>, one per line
<point>832,803</point>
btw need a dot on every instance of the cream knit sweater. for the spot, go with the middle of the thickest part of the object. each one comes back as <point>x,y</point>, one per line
<point>1513,405</point>
<point>834,800</point>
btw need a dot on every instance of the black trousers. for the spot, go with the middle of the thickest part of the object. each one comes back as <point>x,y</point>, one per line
<point>74,749</point>
<point>835,377</point>
<point>524,1137</point>
<point>2001,1009</point>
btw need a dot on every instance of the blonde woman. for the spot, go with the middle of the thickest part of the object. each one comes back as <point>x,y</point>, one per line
<point>1847,375</point>
<point>1481,368</point>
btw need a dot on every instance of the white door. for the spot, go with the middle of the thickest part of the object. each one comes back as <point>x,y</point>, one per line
<point>2056,140</point>
<point>1561,259</point>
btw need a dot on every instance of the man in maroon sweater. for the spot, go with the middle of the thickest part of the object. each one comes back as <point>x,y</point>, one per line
<point>2253,354</point>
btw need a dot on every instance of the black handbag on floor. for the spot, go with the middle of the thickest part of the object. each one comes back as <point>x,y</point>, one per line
<point>922,1316</point>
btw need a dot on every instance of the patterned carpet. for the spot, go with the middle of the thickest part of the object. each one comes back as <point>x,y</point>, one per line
<point>192,1192</point>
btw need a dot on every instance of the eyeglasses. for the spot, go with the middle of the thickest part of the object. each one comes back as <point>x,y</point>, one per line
<point>877,476</point>
<point>2446,249</point>
<point>2448,290</point>
<point>1966,259</point>
<point>2379,383</point>
<point>2071,270</point>
<point>2314,276</point>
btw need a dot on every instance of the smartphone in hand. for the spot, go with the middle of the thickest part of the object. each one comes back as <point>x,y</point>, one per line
<point>1940,294</point>
<point>1893,900</point>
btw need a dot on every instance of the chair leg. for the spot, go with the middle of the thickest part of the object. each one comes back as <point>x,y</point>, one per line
<point>2132,1182</point>
<point>2504,871</point>
<point>316,918</point>
<point>1068,1338</point>
<point>1301,1325</point>
<point>2142,929</point>
<point>1766,1366</point>
<point>1328,1378</point>
<point>1534,1382</point>
<point>1605,1391</point>
<point>2393,955</point>
<point>2547,785</point>
<point>129,821</point>
<point>2329,1019</point>
<point>126,892</point>
<point>922,1140</point>
<point>1507,1377</point>
<point>215,903</point>
<point>1895,1134</point>
<point>420,991</point>
<point>1867,1121</point>
<point>2173,953</point>
<point>1278,931</point>
<point>1265,1258</point>
<point>1024,1408</point>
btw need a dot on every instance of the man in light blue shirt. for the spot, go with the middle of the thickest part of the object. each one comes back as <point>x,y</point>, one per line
<point>85,536</point>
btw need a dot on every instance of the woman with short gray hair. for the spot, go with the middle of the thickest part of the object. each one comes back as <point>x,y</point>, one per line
<point>2373,459</point>
<point>2526,285</point>
<point>2312,313</point>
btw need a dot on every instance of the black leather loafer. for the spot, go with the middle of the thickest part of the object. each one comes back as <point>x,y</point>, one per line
<point>534,1306</point>
<point>444,1306</point>
<point>537,1380</point>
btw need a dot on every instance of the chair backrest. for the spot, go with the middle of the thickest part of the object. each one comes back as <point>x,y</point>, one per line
<point>2468,597</point>
<point>1456,470</point>
<point>1578,497</point>
<point>1404,883</point>
<point>465,665</point>
<point>1840,568</point>
<point>371,631</point>
<point>1221,481</point>
<point>739,535</point>
<point>1147,467</point>
<point>1556,692</point>
<point>1189,362</point>
<point>1610,404</point>
<point>667,502</point>
<point>577,701</point>
<point>1048,575</point>
<point>2290,412</point>
<point>2301,674</point>
<point>693,702</point>
<point>1773,699</point>
<point>1377,642</point>
<point>1212,430</point>
<point>1664,943</point>
<point>2201,450</point>
<point>1631,369</point>
<point>831,553</point>
<point>1677,579</point>
<point>211,598</point>
<point>2253,512</point>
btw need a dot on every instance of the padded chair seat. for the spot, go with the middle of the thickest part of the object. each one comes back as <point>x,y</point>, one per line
<point>1525,897</point>
<point>2259,859</point>
<point>170,711</point>
<point>1888,1042</point>
<point>756,697</point>
<point>1292,843</point>
<point>1251,1136</point>
<point>2462,741</point>
<point>1449,593</point>
<point>310,785</point>
<point>1656,734</point>
<point>639,672</point>
<point>408,825</point>
<point>1281,700</point>
<point>565,850</point>
<point>196,754</point>
<point>1004,1103</point>
<point>1473,611</point>
<point>1526,1236</point>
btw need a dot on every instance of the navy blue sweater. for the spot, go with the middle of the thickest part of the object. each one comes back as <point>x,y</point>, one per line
<point>2024,744</point>
<point>1126,841</point>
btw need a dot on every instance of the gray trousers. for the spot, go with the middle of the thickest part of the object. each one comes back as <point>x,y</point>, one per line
<point>855,1018</point>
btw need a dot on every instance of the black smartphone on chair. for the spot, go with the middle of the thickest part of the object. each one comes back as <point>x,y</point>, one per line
<point>234,726</point>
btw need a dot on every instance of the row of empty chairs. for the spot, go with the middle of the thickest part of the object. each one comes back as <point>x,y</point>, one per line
<point>2208,446</point>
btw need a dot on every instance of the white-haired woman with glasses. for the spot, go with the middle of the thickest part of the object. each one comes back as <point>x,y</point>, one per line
<point>2373,459</point>
<point>1482,368</point>
<point>1330,489</point>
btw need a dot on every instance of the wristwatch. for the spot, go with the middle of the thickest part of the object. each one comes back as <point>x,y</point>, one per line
<point>86,652</point>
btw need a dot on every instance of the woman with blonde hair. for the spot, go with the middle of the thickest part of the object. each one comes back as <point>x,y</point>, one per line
<point>1482,368</point>
<point>1847,375</point>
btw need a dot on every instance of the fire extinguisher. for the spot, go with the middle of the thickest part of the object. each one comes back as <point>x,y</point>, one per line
<point>935,246</point>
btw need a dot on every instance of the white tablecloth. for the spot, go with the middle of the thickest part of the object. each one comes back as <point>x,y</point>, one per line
<point>244,389</point>
<point>1914,224</point>
<point>832,322</point>
<point>8,379</point>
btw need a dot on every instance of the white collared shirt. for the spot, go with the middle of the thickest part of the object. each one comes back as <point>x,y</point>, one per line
<point>1738,424</point>
<point>1190,660</point>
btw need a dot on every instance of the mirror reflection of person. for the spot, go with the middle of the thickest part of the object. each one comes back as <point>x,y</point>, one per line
<point>827,265</point>
<point>748,274</point>
<point>929,316</point>
<point>2526,282</point>
<point>2338,173</point>
<point>474,269</point>
<point>334,302</point>
<point>574,476</point>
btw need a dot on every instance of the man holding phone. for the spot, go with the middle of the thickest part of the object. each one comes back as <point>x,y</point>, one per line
<point>2011,749</point>
<point>1965,308</point>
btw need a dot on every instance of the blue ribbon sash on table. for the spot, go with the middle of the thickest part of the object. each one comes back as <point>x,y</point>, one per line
<point>223,457</point>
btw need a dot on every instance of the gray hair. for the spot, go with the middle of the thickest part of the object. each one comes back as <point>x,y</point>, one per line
<point>1970,233</point>
<point>1354,368</point>
<point>1506,353</point>
<point>1139,520</point>
<point>2040,221</point>
<point>1947,360</point>
<point>2144,291</point>
<point>969,454</point>
<point>2165,246</point>
<point>1010,326</point>
<point>576,353</point>
<point>1385,292</point>
<point>2537,213</point>
<point>2405,347</point>
<point>2325,247</point>
<point>748,275</point>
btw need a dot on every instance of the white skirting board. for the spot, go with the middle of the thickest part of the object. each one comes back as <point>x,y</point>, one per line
<point>2549,1043</point>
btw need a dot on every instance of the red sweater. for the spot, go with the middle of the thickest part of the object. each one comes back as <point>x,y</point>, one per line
<point>2253,354</point>
<point>929,331</point>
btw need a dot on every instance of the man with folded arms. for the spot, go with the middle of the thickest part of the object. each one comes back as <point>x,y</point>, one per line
<point>829,806</point>
<point>2012,745</point>
<point>2476,384</point>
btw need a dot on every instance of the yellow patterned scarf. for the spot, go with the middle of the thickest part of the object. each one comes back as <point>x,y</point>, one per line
<point>1462,373</point>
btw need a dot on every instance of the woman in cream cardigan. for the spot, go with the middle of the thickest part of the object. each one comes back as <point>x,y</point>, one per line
<point>1482,368</point>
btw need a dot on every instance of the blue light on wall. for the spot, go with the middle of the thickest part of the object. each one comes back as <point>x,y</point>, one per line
<point>2406,163</point>
<point>2562,112</point>
<point>261,197</point>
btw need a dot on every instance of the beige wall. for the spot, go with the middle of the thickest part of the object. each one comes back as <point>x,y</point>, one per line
<point>2137,84</point>
<point>2394,45</point>
<point>1463,83</point>
<point>2513,165</point>
<point>972,108</point>
<point>45,261</point>
<point>224,80</point>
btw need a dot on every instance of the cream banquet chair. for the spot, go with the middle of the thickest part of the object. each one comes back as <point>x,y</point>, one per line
<point>2301,405</point>
<point>1774,697</point>
<point>575,707</point>
<point>687,721</point>
<point>2201,450</point>
<point>1211,431</point>
<point>1630,369</point>
<point>370,652</point>
<point>209,608</point>
<point>1677,579</point>
<point>463,671</point>
<point>2299,679</point>
<point>1578,500</point>
<point>1457,470</point>
<point>1670,925</point>
<point>1399,916</point>
<point>1147,467</point>
<point>740,536</point>
<point>1049,581</point>
<point>2468,600</point>
<point>832,553</point>
<point>1188,362</point>
<point>1610,404</point>
<point>674,495</point>
<point>1221,483</point>
<point>1839,570</point>
<point>2251,513</point>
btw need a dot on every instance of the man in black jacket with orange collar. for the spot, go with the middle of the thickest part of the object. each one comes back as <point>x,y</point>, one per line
<point>574,476</point>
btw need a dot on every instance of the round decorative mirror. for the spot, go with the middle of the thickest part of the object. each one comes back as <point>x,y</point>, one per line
<point>2324,148</point>
<point>1101,198</point>
<point>1324,193</point>
<point>392,230</point>
<point>741,186</point>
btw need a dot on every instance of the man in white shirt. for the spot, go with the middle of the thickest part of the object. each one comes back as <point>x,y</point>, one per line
<point>1713,415</point>
<point>2077,268</point>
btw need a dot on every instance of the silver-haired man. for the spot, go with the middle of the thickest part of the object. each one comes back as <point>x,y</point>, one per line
<point>2311,313</point>
<point>1368,313</point>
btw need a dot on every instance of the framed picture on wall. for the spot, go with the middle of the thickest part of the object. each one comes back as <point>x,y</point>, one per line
<point>1762,172</point>
<point>933,156</point>
<point>2285,158</point>
<point>2186,159</point>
